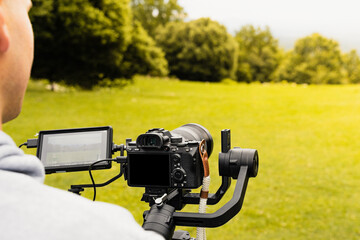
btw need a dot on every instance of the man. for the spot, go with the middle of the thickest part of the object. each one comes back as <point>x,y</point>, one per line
<point>28,208</point>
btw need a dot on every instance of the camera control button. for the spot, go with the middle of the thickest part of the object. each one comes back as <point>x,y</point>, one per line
<point>176,158</point>
<point>178,175</point>
<point>176,139</point>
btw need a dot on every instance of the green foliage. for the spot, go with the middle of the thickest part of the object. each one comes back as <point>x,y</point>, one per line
<point>87,42</point>
<point>80,41</point>
<point>83,42</point>
<point>258,54</point>
<point>352,66</point>
<point>315,59</point>
<point>198,50</point>
<point>154,13</point>
<point>143,56</point>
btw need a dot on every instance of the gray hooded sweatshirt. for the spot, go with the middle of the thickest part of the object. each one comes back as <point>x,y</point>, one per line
<point>31,210</point>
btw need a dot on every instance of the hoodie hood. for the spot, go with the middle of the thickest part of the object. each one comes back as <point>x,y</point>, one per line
<point>14,159</point>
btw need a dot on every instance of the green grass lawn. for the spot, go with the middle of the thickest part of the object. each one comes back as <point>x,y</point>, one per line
<point>308,138</point>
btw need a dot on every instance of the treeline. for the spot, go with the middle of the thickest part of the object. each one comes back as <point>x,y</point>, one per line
<point>90,42</point>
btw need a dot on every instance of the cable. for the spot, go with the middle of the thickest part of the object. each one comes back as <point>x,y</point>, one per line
<point>31,143</point>
<point>91,176</point>
<point>24,144</point>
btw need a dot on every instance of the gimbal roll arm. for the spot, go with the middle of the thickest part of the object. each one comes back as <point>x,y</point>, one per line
<point>221,216</point>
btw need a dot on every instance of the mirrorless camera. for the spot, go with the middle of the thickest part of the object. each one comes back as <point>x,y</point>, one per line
<point>168,159</point>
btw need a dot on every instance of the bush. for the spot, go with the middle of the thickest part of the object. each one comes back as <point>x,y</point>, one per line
<point>258,54</point>
<point>352,66</point>
<point>152,14</point>
<point>198,50</point>
<point>315,59</point>
<point>83,42</point>
<point>143,56</point>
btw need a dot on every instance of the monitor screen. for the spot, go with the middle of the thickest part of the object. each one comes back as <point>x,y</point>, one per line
<point>70,150</point>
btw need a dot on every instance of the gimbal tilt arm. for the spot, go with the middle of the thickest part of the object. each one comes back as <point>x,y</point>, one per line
<point>221,216</point>
<point>194,198</point>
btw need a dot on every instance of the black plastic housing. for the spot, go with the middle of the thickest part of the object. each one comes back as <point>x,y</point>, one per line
<point>179,167</point>
<point>76,165</point>
<point>168,159</point>
<point>150,140</point>
<point>231,161</point>
<point>160,220</point>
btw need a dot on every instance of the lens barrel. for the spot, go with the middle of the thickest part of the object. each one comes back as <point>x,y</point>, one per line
<point>193,131</point>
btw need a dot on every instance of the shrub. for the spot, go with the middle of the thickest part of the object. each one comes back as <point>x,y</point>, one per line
<point>198,50</point>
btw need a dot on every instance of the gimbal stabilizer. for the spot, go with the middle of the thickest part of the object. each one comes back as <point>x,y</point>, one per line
<point>168,165</point>
<point>237,163</point>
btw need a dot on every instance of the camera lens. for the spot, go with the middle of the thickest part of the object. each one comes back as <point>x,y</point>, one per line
<point>193,131</point>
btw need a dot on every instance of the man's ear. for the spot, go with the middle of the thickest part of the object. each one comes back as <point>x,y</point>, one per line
<point>4,33</point>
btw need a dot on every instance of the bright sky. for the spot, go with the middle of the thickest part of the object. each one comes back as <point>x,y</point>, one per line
<point>288,19</point>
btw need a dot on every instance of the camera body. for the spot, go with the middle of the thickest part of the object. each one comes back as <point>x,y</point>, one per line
<point>163,159</point>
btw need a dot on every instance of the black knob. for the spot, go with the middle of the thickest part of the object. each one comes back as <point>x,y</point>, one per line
<point>231,162</point>
<point>178,175</point>
<point>176,158</point>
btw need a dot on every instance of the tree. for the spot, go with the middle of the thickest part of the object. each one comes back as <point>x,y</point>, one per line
<point>352,66</point>
<point>258,54</point>
<point>154,13</point>
<point>200,50</point>
<point>315,59</point>
<point>83,42</point>
<point>143,56</point>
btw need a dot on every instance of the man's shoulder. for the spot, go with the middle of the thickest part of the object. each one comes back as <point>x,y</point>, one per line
<point>57,214</point>
<point>24,191</point>
<point>13,159</point>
